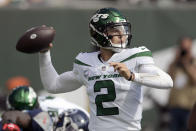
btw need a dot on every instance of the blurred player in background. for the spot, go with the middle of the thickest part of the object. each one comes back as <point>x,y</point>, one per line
<point>59,108</point>
<point>192,119</point>
<point>113,76</point>
<point>183,96</point>
<point>23,111</point>
<point>28,111</point>
<point>10,84</point>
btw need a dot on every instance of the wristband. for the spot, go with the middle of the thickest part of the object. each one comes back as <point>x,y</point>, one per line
<point>131,76</point>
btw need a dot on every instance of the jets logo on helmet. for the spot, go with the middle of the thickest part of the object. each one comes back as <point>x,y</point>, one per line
<point>96,17</point>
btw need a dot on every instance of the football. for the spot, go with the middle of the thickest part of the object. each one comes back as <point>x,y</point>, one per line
<point>35,39</point>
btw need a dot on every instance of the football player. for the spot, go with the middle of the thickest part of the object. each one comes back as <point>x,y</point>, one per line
<point>24,112</point>
<point>113,76</point>
<point>192,119</point>
<point>25,99</point>
<point>56,106</point>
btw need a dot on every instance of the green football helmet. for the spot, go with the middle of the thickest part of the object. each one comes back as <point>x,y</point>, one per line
<point>107,19</point>
<point>22,98</point>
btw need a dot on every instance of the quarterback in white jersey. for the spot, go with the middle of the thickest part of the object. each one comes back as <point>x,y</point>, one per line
<point>113,76</point>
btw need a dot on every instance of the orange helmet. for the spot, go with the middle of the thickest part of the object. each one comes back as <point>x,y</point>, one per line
<point>16,81</point>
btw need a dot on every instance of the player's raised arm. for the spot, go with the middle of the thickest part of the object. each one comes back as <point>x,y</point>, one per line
<point>52,81</point>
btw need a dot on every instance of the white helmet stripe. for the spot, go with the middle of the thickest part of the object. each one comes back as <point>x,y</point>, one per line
<point>96,30</point>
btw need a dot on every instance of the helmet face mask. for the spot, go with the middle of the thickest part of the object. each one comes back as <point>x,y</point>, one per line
<point>108,24</point>
<point>118,36</point>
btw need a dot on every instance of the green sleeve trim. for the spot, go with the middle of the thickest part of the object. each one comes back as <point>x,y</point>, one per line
<point>80,63</point>
<point>146,53</point>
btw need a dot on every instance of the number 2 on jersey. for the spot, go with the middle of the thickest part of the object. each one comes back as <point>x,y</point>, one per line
<point>111,96</point>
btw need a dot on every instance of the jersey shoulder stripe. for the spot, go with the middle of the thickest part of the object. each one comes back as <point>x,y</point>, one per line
<point>80,62</point>
<point>139,54</point>
<point>136,52</point>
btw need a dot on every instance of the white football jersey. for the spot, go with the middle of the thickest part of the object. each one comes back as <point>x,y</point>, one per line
<point>115,103</point>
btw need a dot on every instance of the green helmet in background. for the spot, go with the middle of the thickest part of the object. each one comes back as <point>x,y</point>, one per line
<point>22,98</point>
<point>104,20</point>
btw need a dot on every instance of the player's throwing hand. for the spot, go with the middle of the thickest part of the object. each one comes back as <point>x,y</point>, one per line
<point>46,49</point>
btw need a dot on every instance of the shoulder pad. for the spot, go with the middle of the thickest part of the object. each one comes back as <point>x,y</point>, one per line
<point>87,59</point>
<point>81,59</point>
<point>143,48</point>
<point>137,52</point>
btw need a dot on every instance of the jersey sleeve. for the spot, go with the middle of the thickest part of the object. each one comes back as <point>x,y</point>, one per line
<point>148,74</point>
<point>152,76</point>
<point>79,67</point>
<point>77,72</point>
<point>54,82</point>
<point>144,56</point>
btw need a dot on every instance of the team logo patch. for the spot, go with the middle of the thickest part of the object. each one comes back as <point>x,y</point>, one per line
<point>103,68</point>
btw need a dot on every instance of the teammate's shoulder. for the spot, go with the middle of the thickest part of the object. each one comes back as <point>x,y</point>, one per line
<point>85,58</point>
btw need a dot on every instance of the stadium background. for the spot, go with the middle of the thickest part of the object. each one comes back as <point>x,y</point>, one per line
<point>154,27</point>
